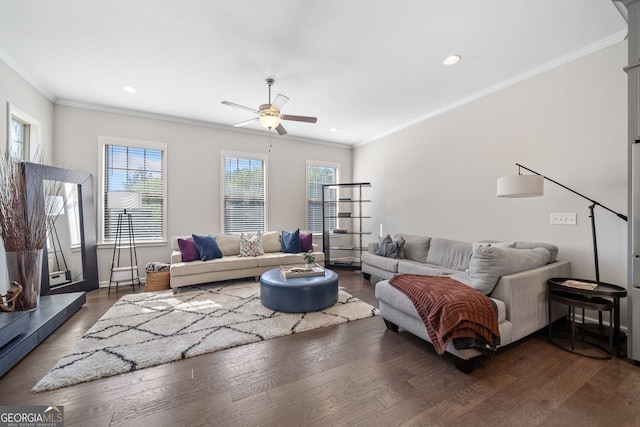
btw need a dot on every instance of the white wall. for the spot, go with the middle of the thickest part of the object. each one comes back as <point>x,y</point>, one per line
<point>22,95</point>
<point>438,177</point>
<point>193,169</point>
<point>435,178</point>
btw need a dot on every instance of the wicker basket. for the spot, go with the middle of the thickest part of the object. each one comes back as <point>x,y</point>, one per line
<point>157,281</point>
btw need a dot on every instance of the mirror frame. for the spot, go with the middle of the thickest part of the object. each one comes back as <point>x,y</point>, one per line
<point>35,175</point>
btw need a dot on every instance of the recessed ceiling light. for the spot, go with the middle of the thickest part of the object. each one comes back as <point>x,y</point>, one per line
<point>334,129</point>
<point>129,89</point>
<point>452,59</point>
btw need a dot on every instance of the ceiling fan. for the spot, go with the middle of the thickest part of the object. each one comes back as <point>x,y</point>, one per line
<point>269,114</point>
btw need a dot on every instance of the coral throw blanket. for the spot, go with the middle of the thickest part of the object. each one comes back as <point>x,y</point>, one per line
<point>451,310</point>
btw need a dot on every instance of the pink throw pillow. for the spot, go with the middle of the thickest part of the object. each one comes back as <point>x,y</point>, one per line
<point>188,250</point>
<point>306,242</point>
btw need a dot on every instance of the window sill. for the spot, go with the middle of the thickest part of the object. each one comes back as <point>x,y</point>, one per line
<point>142,244</point>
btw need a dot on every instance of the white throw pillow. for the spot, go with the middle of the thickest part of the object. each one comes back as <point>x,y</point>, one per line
<point>250,245</point>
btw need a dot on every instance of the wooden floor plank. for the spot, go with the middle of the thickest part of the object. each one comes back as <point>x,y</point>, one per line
<point>358,373</point>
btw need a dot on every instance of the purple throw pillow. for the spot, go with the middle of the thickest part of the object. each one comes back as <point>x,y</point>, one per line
<point>188,250</point>
<point>306,242</point>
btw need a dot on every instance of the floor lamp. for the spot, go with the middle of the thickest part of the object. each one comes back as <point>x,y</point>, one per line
<point>124,200</point>
<point>533,185</point>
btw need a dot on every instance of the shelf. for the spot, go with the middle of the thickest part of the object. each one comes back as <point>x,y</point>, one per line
<point>350,232</point>
<point>350,184</point>
<point>354,265</point>
<point>350,241</point>
<point>347,201</point>
<point>345,217</point>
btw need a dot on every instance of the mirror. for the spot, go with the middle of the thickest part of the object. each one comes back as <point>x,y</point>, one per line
<point>64,250</point>
<point>69,256</point>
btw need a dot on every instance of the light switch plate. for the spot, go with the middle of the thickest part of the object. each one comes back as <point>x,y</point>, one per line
<point>563,218</point>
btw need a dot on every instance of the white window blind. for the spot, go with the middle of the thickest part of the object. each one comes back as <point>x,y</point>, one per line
<point>317,175</point>
<point>244,194</point>
<point>140,170</point>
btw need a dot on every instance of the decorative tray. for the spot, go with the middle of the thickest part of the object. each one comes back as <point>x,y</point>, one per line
<point>290,271</point>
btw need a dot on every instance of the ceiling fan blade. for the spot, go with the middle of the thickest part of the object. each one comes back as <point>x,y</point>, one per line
<point>233,104</point>
<point>246,122</point>
<point>279,102</point>
<point>306,119</point>
<point>281,130</point>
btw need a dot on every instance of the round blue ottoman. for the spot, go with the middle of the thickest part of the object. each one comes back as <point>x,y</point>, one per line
<point>298,294</point>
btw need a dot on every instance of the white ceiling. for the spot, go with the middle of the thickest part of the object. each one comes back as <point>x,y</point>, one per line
<point>367,67</point>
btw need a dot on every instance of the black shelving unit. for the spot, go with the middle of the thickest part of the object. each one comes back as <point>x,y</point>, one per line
<point>343,216</point>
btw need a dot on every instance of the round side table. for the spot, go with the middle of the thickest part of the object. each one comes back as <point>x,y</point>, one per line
<point>597,298</point>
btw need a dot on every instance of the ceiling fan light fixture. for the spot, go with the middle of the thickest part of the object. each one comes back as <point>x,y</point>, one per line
<point>269,119</point>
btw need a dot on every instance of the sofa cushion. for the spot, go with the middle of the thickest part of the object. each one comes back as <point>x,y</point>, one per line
<point>390,248</point>
<point>414,267</point>
<point>229,244</point>
<point>188,250</point>
<point>250,245</point>
<point>277,259</point>
<point>270,241</point>
<point>415,247</point>
<point>207,247</point>
<point>233,262</point>
<point>497,244</point>
<point>174,242</point>
<point>306,242</point>
<point>553,250</point>
<point>387,264</point>
<point>489,263</point>
<point>449,253</point>
<point>291,242</point>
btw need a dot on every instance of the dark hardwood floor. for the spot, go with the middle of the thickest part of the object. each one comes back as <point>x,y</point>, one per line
<point>357,373</point>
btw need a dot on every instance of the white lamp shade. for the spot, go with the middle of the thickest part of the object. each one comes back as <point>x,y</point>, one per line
<point>521,186</point>
<point>54,205</point>
<point>124,200</point>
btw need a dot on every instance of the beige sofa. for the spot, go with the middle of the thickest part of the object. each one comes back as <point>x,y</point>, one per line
<point>501,270</point>
<point>231,265</point>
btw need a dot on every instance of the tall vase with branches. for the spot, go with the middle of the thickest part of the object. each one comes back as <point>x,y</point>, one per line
<point>23,230</point>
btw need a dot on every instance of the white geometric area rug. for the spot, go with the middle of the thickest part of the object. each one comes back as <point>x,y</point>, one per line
<point>151,328</point>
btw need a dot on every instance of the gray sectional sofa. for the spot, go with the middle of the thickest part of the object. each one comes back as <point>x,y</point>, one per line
<point>512,274</point>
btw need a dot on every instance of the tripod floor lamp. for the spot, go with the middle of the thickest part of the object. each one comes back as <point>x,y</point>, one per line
<point>124,238</point>
<point>533,185</point>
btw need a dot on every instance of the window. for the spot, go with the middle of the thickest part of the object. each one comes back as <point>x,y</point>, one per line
<point>317,175</point>
<point>24,135</point>
<point>244,195</point>
<point>19,141</point>
<point>137,166</point>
